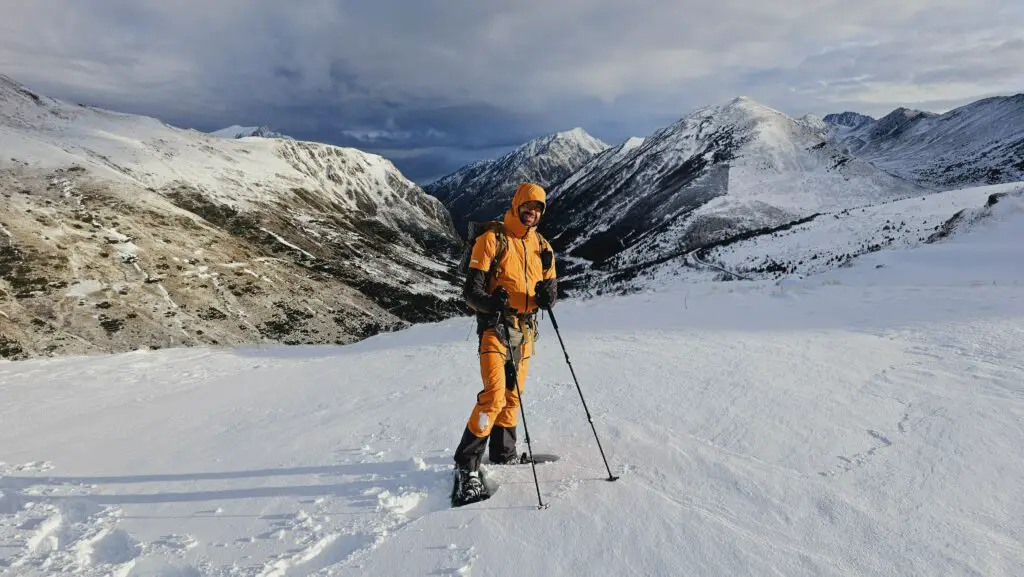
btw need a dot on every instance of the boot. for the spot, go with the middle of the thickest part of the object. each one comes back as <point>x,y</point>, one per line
<point>469,487</point>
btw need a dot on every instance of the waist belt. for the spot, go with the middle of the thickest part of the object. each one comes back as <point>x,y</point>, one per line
<point>524,322</point>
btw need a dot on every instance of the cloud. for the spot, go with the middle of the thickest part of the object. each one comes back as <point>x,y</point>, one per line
<point>462,75</point>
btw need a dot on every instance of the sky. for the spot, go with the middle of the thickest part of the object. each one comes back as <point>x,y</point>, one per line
<point>435,84</point>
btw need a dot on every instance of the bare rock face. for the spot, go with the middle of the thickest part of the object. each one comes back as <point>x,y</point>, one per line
<point>118,233</point>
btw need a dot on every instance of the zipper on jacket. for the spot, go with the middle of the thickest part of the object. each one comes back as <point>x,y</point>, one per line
<point>526,278</point>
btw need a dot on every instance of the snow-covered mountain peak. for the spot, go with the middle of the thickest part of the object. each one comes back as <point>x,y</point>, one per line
<point>978,143</point>
<point>633,142</point>
<point>236,131</point>
<point>741,100</point>
<point>898,121</point>
<point>723,169</point>
<point>483,189</point>
<point>745,106</point>
<point>15,98</point>
<point>8,84</point>
<point>849,119</point>
<point>814,122</point>
<point>741,115</point>
<point>911,112</point>
<point>746,131</point>
<point>576,138</point>
<point>146,219</point>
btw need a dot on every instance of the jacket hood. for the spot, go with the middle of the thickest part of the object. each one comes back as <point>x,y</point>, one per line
<point>526,192</point>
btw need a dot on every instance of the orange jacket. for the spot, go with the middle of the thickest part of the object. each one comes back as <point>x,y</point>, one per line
<point>520,267</point>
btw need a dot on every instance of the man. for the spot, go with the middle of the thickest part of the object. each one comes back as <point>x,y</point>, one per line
<point>506,294</point>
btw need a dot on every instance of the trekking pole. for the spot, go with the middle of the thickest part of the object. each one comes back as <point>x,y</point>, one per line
<point>529,447</point>
<point>585,409</point>
<point>522,408</point>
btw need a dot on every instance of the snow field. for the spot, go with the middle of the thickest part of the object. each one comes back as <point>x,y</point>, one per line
<point>869,426</point>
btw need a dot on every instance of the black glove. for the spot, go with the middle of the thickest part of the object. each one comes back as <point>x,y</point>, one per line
<point>499,300</point>
<point>546,293</point>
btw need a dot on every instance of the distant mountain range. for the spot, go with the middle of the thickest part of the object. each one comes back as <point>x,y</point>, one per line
<point>236,131</point>
<point>741,166</point>
<point>717,172</point>
<point>847,119</point>
<point>120,232</point>
<point>483,190</point>
<point>980,143</point>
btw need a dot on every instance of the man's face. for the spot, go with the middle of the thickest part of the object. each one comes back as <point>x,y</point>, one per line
<point>529,212</point>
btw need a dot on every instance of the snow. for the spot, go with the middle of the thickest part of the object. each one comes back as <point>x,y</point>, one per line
<point>816,245</point>
<point>909,222</point>
<point>245,174</point>
<point>483,189</point>
<point>866,421</point>
<point>64,162</point>
<point>632,142</point>
<point>234,130</point>
<point>720,170</point>
<point>978,143</point>
<point>286,243</point>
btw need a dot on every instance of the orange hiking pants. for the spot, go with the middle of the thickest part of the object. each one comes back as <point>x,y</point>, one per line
<point>498,403</point>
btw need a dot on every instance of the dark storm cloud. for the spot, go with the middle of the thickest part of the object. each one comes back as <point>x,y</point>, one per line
<point>448,77</point>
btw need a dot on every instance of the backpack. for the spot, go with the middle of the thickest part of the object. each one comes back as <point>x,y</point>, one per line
<point>475,230</point>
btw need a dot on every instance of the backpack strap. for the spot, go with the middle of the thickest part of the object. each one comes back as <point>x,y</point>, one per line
<point>501,245</point>
<point>544,244</point>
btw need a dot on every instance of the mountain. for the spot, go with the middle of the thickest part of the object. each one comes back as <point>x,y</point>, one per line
<point>979,143</point>
<point>837,239</point>
<point>818,244</point>
<point>483,189</point>
<point>120,232</point>
<point>606,157</point>
<point>815,123</point>
<point>896,123</point>
<point>719,171</point>
<point>236,131</point>
<point>849,119</point>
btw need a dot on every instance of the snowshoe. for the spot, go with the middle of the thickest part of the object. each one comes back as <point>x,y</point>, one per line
<point>524,459</point>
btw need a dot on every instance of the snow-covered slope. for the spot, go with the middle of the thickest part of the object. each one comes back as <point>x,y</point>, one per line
<point>863,423</point>
<point>608,156</point>
<point>979,143</point>
<point>835,239</point>
<point>236,131</point>
<point>817,244</point>
<point>483,189</point>
<point>719,171</point>
<point>121,231</point>
<point>815,123</point>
